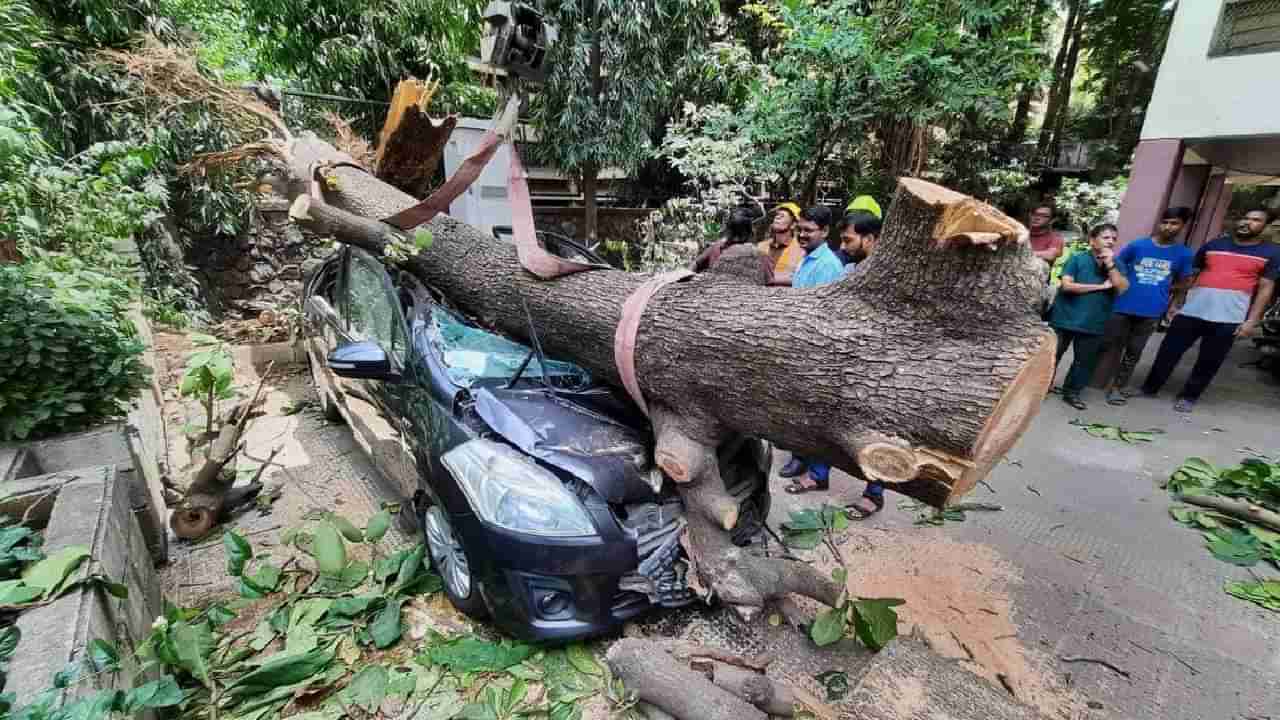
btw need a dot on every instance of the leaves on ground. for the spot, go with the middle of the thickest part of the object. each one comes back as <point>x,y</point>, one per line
<point>1115,432</point>
<point>1263,592</point>
<point>472,654</point>
<point>52,573</point>
<point>875,621</point>
<point>1233,539</point>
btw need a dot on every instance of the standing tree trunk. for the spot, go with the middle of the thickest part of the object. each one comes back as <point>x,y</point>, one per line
<point>1064,105</point>
<point>904,148</point>
<point>921,370</point>
<point>1058,88</point>
<point>591,170</point>
<point>1022,112</point>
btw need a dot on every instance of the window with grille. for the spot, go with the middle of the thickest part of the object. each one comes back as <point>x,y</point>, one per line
<point>1247,26</point>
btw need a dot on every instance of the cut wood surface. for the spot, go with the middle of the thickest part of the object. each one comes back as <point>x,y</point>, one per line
<point>921,369</point>
<point>411,143</point>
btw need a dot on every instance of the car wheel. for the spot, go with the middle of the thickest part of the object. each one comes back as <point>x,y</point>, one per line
<point>327,405</point>
<point>449,559</point>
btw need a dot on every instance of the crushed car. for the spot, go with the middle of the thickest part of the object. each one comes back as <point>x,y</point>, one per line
<point>532,482</point>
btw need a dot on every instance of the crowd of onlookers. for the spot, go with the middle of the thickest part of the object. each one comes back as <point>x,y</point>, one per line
<point>1109,304</point>
<point>1105,308</point>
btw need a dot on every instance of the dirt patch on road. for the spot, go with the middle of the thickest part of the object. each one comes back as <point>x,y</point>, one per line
<point>957,598</point>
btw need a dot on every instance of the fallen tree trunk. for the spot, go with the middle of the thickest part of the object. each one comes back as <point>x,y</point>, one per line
<point>920,370</point>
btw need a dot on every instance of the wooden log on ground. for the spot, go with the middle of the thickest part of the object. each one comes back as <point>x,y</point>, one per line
<point>920,370</point>
<point>206,498</point>
<point>657,678</point>
<point>1239,509</point>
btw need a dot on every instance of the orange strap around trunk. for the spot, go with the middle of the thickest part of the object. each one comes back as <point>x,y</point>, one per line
<point>624,336</point>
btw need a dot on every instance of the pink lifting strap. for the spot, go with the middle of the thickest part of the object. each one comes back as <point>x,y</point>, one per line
<point>443,197</point>
<point>533,257</point>
<point>624,337</point>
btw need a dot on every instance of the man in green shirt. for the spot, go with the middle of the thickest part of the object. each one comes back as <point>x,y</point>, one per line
<point>1090,283</point>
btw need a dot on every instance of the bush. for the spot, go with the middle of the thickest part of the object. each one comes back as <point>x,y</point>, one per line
<point>72,358</point>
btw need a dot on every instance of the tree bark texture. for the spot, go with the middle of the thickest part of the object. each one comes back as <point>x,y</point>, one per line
<point>904,147</point>
<point>1022,112</point>
<point>660,679</point>
<point>920,370</point>
<point>1057,89</point>
<point>1064,98</point>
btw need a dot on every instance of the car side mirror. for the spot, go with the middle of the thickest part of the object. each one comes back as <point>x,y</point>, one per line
<point>363,360</point>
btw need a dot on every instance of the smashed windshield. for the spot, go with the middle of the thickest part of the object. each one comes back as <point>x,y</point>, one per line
<point>471,354</point>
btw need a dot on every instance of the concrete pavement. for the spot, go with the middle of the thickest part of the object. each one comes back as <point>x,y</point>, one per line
<point>1105,572</point>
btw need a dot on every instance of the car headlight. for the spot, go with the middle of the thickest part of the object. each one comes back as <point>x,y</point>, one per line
<point>508,490</point>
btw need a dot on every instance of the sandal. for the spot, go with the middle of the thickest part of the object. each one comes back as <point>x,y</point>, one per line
<point>1074,401</point>
<point>861,511</point>
<point>1117,398</point>
<point>799,488</point>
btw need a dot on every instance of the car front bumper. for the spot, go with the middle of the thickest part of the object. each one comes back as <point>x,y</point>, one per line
<point>551,589</point>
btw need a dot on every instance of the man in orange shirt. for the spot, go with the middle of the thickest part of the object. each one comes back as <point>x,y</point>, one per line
<point>781,246</point>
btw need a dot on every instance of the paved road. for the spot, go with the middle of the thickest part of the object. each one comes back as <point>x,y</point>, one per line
<point>1107,574</point>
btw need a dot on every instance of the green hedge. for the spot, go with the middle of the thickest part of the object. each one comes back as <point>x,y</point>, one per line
<point>71,356</point>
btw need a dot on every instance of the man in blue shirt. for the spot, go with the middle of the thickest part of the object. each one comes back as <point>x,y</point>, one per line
<point>1154,266</point>
<point>819,267</point>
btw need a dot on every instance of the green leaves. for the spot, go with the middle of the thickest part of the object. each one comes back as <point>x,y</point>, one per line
<point>875,622</point>
<point>422,238</point>
<point>1233,546</point>
<point>238,552</point>
<point>1262,592</point>
<point>103,656</point>
<point>806,529</point>
<point>583,661</point>
<point>329,551</point>
<point>191,645</point>
<point>155,694</point>
<point>829,626</point>
<point>281,670</point>
<point>378,526</point>
<point>385,629</point>
<point>208,377</point>
<point>1113,432</point>
<point>51,574</point>
<point>368,688</point>
<point>471,654</point>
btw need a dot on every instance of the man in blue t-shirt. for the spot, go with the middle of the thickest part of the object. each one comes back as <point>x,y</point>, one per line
<point>1155,265</point>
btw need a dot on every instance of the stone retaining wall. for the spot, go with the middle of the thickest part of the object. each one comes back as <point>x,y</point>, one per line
<point>86,506</point>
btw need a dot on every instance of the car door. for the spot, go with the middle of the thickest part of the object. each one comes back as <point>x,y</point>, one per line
<point>373,313</point>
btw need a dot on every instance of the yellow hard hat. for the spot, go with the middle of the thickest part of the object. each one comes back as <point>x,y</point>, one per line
<point>866,203</point>
<point>790,207</point>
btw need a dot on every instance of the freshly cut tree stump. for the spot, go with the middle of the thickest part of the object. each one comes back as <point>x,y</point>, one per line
<point>920,370</point>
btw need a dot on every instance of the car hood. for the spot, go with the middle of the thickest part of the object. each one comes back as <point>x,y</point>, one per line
<point>610,456</point>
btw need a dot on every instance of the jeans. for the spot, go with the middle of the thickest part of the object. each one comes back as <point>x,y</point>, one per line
<point>1086,357</point>
<point>1215,343</point>
<point>820,472</point>
<point>1126,338</point>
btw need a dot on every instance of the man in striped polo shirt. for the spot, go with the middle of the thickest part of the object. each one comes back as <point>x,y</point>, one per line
<point>1236,280</point>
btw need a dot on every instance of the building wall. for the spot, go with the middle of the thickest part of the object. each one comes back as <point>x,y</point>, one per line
<point>1197,96</point>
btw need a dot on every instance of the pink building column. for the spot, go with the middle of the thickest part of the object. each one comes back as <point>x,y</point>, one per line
<point>1156,165</point>
<point>1212,212</point>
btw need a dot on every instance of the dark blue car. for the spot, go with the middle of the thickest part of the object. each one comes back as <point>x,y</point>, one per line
<point>534,485</point>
